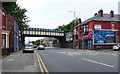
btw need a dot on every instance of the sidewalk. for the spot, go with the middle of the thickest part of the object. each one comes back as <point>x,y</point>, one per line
<point>1,57</point>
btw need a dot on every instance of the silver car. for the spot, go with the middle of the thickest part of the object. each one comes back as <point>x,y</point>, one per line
<point>28,48</point>
<point>41,47</point>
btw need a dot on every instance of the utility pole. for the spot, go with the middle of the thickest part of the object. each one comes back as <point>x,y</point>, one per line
<point>74,41</point>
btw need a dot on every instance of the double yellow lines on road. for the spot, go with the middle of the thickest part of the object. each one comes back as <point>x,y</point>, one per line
<point>42,66</point>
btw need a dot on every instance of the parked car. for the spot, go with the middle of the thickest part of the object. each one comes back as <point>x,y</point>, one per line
<point>28,48</point>
<point>41,47</point>
<point>116,47</point>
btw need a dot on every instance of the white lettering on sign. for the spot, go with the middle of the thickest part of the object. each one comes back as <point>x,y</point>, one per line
<point>110,35</point>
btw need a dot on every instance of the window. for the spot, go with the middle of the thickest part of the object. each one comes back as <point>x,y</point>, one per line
<point>97,26</point>
<point>3,41</point>
<point>113,26</point>
<point>85,29</point>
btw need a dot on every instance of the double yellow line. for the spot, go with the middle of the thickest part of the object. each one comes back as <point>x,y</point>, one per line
<point>42,66</point>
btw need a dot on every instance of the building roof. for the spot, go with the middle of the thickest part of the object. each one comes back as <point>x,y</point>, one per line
<point>106,17</point>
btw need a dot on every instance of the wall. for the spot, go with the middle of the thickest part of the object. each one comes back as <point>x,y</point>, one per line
<point>118,32</point>
<point>0,28</point>
<point>10,27</point>
<point>4,20</point>
<point>106,25</point>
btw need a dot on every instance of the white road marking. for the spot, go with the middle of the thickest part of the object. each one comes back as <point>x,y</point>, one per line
<point>97,62</point>
<point>10,60</point>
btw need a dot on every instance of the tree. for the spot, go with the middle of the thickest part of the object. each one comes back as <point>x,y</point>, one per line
<point>14,10</point>
<point>69,27</point>
<point>37,42</point>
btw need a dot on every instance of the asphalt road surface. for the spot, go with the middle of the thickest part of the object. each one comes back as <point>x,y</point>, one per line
<point>62,60</point>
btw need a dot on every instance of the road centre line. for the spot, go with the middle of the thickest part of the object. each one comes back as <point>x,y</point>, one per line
<point>98,62</point>
<point>41,64</point>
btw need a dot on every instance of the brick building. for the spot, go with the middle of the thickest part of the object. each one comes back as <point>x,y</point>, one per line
<point>99,32</point>
<point>5,33</point>
<point>8,33</point>
<point>12,26</point>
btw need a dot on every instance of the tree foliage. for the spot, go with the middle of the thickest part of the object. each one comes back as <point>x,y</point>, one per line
<point>69,27</point>
<point>14,10</point>
<point>37,42</point>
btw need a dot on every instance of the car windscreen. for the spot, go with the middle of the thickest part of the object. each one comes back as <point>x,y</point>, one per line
<point>28,45</point>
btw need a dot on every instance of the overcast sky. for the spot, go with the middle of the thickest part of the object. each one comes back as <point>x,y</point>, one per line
<point>50,14</point>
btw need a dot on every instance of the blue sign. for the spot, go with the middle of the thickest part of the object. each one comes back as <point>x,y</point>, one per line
<point>104,37</point>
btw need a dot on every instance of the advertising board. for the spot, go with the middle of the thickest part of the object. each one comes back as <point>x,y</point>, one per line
<point>104,37</point>
<point>69,36</point>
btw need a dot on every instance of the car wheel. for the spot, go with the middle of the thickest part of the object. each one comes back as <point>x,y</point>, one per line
<point>119,49</point>
<point>23,51</point>
<point>115,49</point>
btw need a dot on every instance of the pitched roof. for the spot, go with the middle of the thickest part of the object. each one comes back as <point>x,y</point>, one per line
<point>106,17</point>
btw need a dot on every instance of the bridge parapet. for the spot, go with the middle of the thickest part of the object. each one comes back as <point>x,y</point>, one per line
<point>41,31</point>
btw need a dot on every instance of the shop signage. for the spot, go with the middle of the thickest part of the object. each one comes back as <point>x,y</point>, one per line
<point>87,37</point>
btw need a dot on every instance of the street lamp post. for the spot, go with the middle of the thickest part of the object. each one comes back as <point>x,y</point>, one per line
<point>74,16</point>
<point>74,43</point>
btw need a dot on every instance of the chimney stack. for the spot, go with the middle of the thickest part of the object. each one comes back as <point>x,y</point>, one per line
<point>100,13</point>
<point>79,21</point>
<point>112,13</point>
<point>95,14</point>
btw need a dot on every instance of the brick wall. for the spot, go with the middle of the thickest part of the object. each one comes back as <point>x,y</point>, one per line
<point>10,27</point>
<point>118,32</point>
<point>0,27</point>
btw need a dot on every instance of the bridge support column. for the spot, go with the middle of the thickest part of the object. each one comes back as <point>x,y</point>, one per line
<point>62,42</point>
<point>23,40</point>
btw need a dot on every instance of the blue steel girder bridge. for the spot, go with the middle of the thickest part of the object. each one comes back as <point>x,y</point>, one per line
<point>40,32</point>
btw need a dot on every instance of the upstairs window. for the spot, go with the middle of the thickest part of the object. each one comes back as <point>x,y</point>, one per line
<point>85,29</point>
<point>97,26</point>
<point>113,26</point>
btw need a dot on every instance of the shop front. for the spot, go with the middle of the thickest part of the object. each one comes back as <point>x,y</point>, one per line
<point>86,42</point>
